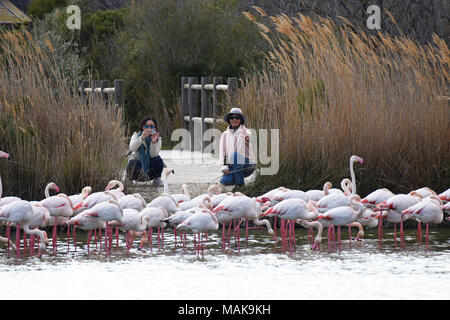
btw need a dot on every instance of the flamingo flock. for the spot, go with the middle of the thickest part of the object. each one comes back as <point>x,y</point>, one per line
<point>102,211</point>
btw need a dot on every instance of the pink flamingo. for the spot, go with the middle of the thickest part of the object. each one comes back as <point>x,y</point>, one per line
<point>344,215</point>
<point>394,207</point>
<point>106,211</point>
<point>376,197</point>
<point>157,217</point>
<point>20,213</point>
<point>77,198</point>
<point>166,201</point>
<point>87,223</point>
<point>445,196</point>
<point>292,210</point>
<point>116,192</point>
<point>58,206</point>
<point>133,222</point>
<point>212,190</point>
<point>270,195</point>
<point>132,201</point>
<point>95,198</point>
<point>428,211</point>
<point>239,206</point>
<point>423,192</point>
<point>200,222</point>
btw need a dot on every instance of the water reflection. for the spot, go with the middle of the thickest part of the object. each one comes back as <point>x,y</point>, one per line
<point>260,270</point>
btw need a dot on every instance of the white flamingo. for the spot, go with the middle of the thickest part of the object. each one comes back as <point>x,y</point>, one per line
<point>345,215</point>
<point>392,209</point>
<point>445,196</point>
<point>239,206</point>
<point>157,216</point>
<point>107,211</point>
<point>166,201</point>
<point>77,198</point>
<point>428,211</point>
<point>132,201</point>
<point>87,223</point>
<point>200,222</point>
<point>58,206</point>
<point>116,192</point>
<point>291,210</point>
<point>20,213</point>
<point>354,159</point>
<point>133,222</point>
<point>94,199</point>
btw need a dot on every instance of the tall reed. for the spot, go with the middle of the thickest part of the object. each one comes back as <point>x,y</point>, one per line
<point>51,134</point>
<point>334,91</point>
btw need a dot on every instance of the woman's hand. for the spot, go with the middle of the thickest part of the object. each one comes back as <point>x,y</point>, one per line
<point>155,137</point>
<point>146,133</point>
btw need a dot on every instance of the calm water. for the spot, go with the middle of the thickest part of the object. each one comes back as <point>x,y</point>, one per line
<point>260,270</point>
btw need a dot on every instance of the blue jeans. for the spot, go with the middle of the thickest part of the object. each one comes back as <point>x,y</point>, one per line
<point>238,171</point>
<point>135,172</point>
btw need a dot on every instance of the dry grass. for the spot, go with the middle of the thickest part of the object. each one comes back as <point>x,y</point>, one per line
<point>48,130</point>
<point>334,91</point>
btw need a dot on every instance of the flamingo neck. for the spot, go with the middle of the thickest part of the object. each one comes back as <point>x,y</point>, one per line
<point>352,175</point>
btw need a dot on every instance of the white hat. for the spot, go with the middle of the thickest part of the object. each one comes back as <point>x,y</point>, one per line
<point>234,111</point>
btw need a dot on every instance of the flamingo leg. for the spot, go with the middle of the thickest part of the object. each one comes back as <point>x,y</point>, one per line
<point>401,233</point>
<point>89,239</point>
<point>54,235</point>
<point>419,232</point>
<point>275,230</point>
<point>350,235</point>
<point>426,227</point>
<point>8,236</point>
<point>395,235</point>
<point>17,240</point>
<point>106,239</point>
<point>339,237</point>
<point>117,237</point>
<point>68,238</point>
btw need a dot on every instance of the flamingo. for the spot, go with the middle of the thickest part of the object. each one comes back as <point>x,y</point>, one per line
<point>133,221</point>
<point>316,195</point>
<point>132,201</point>
<point>428,211</point>
<point>212,190</point>
<point>376,197</point>
<point>21,212</point>
<point>344,215</point>
<point>116,192</point>
<point>87,223</point>
<point>94,199</point>
<point>394,206</point>
<point>239,206</point>
<point>423,192</point>
<point>157,216</point>
<point>269,196</point>
<point>291,194</point>
<point>182,197</point>
<point>354,159</point>
<point>166,201</point>
<point>200,222</point>
<point>77,198</point>
<point>58,206</point>
<point>291,210</point>
<point>107,211</point>
<point>445,196</point>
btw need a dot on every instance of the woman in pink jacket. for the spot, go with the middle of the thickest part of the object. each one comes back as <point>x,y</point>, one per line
<point>236,153</point>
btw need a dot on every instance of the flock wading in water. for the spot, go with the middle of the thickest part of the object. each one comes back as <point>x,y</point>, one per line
<point>105,210</point>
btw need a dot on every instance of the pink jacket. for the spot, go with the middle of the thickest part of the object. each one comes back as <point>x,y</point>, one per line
<point>234,141</point>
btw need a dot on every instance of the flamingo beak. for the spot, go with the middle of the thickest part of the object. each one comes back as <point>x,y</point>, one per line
<point>217,209</point>
<point>78,206</point>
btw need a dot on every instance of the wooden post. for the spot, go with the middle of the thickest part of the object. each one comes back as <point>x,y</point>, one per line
<point>94,97</point>
<point>192,108</point>
<point>184,102</point>
<point>216,81</point>
<point>104,84</point>
<point>119,98</point>
<point>84,84</point>
<point>204,108</point>
<point>232,86</point>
